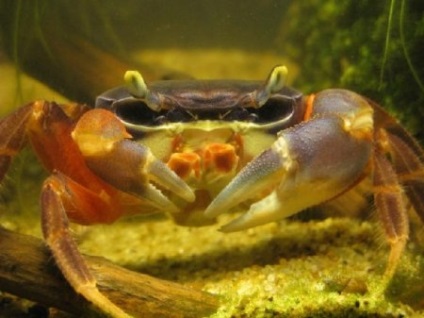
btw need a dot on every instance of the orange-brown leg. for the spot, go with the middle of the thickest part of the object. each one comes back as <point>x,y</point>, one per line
<point>56,202</point>
<point>12,136</point>
<point>388,197</point>
<point>410,170</point>
<point>48,128</point>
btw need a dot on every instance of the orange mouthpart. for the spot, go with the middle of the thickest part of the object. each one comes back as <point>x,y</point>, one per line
<point>220,157</point>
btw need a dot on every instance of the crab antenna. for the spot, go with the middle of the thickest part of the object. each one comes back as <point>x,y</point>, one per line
<point>275,82</point>
<point>138,88</point>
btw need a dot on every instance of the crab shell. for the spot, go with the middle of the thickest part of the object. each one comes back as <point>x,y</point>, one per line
<point>207,131</point>
<point>196,149</point>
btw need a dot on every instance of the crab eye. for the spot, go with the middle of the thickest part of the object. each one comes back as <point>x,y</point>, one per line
<point>276,109</point>
<point>135,112</point>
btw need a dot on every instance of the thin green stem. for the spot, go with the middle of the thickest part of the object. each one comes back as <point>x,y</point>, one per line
<point>405,49</point>
<point>15,49</point>
<point>387,41</point>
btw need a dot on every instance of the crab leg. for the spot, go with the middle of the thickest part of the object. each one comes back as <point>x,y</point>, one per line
<point>73,191</point>
<point>410,170</point>
<point>55,225</point>
<point>406,155</point>
<point>388,197</point>
<point>12,141</point>
<point>407,169</point>
<point>56,202</point>
<point>311,163</point>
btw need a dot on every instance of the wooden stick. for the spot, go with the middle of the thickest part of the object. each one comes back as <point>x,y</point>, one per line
<point>28,271</point>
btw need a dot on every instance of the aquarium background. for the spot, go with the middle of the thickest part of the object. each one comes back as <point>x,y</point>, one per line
<point>62,50</point>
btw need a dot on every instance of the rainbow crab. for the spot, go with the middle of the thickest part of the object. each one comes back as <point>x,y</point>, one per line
<point>196,149</point>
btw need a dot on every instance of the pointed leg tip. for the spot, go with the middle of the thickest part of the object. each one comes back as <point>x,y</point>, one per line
<point>188,195</point>
<point>213,210</point>
<point>232,227</point>
<point>210,213</point>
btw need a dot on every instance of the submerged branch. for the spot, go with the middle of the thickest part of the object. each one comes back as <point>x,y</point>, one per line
<point>28,271</point>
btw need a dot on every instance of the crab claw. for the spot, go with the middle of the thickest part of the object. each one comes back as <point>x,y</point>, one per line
<point>301,169</point>
<point>253,179</point>
<point>161,174</point>
<point>126,164</point>
<point>258,177</point>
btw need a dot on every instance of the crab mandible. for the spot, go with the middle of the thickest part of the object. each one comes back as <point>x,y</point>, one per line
<point>195,149</point>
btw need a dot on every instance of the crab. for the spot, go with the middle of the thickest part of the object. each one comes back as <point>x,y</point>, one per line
<point>196,149</point>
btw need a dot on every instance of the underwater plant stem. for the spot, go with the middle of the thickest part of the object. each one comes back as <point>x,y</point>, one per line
<point>27,271</point>
<point>387,40</point>
<point>15,38</point>
<point>405,50</point>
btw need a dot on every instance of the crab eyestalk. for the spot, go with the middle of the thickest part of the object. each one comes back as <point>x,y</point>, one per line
<point>138,88</point>
<point>274,83</point>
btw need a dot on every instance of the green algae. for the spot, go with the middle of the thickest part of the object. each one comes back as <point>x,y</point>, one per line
<point>374,49</point>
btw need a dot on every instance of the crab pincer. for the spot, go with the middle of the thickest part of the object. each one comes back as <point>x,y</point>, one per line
<point>305,166</point>
<point>125,164</point>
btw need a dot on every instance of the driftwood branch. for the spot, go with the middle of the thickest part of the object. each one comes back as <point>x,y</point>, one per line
<point>28,271</point>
